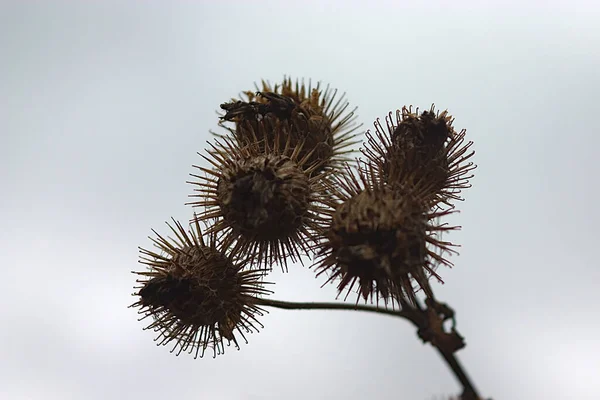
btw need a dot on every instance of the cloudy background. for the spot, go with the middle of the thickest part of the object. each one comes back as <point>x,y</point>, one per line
<point>103,106</point>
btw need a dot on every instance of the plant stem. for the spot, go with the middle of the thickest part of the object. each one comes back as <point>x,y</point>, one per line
<point>290,305</point>
<point>469,391</point>
<point>414,315</point>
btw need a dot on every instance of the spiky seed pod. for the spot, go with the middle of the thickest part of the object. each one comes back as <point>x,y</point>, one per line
<point>305,114</point>
<point>264,198</point>
<point>196,294</point>
<point>421,151</point>
<point>381,240</point>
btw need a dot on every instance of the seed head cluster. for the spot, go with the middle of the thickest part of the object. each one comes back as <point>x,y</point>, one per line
<point>421,153</point>
<point>277,185</point>
<point>383,241</point>
<point>301,114</point>
<point>197,295</point>
<point>263,197</point>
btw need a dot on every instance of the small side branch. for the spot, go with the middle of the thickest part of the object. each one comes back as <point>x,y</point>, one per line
<point>428,321</point>
<point>290,305</point>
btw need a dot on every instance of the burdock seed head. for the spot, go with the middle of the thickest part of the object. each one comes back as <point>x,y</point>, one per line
<point>423,153</point>
<point>264,199</point>
<point>380,240</point>
<point>305,114</point>
<point>196,294</point>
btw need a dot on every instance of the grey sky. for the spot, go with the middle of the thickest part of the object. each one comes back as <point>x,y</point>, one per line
<point>103,106</point>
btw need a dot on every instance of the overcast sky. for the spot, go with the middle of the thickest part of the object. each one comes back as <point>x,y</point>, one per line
<point>103,106</point>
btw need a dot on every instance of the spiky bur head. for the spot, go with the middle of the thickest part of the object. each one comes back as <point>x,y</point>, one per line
<point>313,116</point>
<point>196,295</point>
<point>421,152</point>
<point>380,240</point>
<point>264,199</point>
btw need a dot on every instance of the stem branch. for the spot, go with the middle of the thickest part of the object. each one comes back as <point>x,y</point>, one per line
<point>291,305</point>
<point>416,315</point>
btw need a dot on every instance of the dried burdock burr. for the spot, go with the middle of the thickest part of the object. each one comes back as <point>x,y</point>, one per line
<point>264,199</point>
<point>197,296</point>
<point>380,240</point>
<point>421,151</point>
<point>304,113</point>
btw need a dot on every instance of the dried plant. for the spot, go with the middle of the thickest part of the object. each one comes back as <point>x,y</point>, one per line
<point>263,196</point>
<point>380,239</point>
<point>196,295</point>
<point>421,152</point>
<point>279,186</point>
<point>300,114</point>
